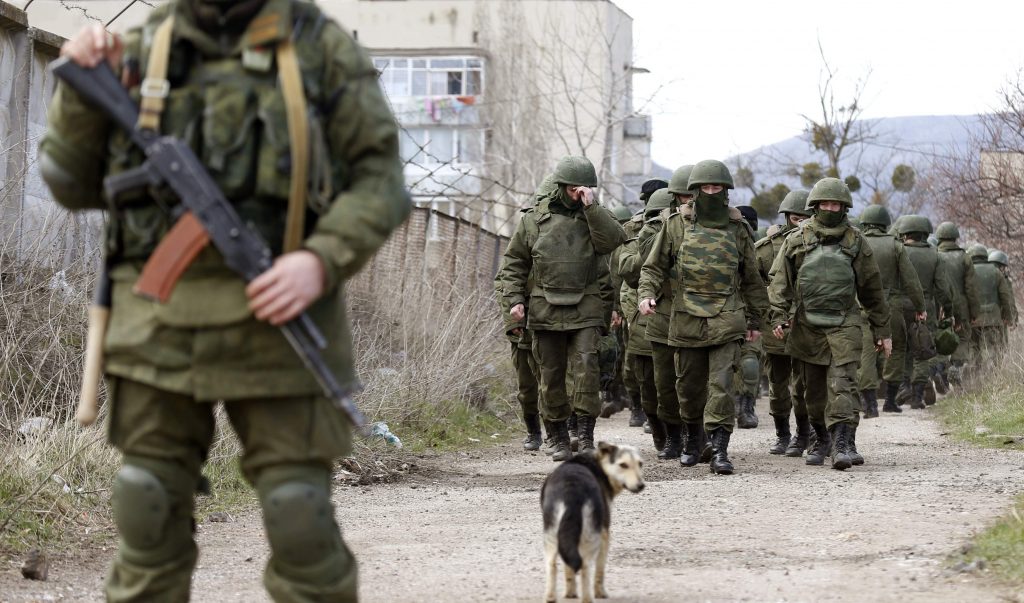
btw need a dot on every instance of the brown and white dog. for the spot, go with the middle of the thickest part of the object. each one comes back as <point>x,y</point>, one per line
<point>577,501</point>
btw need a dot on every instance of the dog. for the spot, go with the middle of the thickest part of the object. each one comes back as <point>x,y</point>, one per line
<point>576,501</point>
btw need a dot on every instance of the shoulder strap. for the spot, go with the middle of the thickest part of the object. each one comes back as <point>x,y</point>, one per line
<point>155,87</point>
<point>298,137</point>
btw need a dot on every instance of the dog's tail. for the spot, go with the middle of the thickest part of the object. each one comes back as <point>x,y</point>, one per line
<point>569,530</point>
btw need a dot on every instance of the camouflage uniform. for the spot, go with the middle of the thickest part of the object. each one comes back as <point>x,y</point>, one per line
<point>995,308</point>
<point>634,373</point>
<point>1001,260</point>
<point>167,363</point>
<point>966,306</point>
<point>564,245</point>
<point>821,271</point>
<point>717,297</point>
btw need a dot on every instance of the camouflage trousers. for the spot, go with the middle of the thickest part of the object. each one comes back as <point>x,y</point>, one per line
<point>641,369</point>
<point>665,382</point>
<point>781,398</point>
<point>704,384</point>
<point>167,436</point>
<point>526,379</point>
<point>894,367</point>
<point>868,377</point>
<point>562,353</point>
<point>830,392</point>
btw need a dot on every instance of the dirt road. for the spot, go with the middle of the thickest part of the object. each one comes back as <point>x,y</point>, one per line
<point>466,527</point>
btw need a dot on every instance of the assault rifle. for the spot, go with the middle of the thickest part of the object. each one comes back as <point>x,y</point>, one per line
<point>171,162</point>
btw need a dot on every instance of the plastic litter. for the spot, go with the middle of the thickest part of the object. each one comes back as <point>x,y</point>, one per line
<point>380,428</point>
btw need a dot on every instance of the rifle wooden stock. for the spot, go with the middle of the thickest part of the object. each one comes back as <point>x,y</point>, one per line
<point>171,258</point>
<point>92,374</point>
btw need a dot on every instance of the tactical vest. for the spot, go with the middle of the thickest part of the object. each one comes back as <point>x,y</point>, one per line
<point>986,277</point>
<point>708,264</point>
<point>926,263</point>
<point>826,282</point>
<point>234,115</point>
<point>884,248</point>
<point>564,260</point>
<point>953,261</point>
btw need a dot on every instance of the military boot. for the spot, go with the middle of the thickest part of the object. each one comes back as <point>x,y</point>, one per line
<point>574,434</point>
<point>802,439</point>
<point>891,389</point>
<point>692,444</point>
<point>905,394</point>
<point>746,418</point>
<point>840,452</point>
<point>782,435</point>
<point>929,394</point>
<point>533,437</point>
<point>586,431</point>
<point>563,449</point>
<point>822,444</point>
<point>657,432</point>
<point>613,403</point>
<point>720,462</point>
<point>917,396</point>
<point>673,441</point>
<point>870,403</point>
<point>550,441</point>
<point>636,415</point>
<point>940,381</point>
<point>855,457</point>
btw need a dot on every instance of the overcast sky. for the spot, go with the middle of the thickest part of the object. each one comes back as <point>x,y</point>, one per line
<point>737,74</point>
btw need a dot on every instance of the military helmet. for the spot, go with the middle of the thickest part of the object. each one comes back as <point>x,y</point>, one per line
<point>575,170</point>
<point>622,213</point>
<point>648,188</point>
<point>978,251</point>
<point>914,223</point>
<point>830,189</point>
<point>795,202</point>
<point>998,257</point>
<point>660,199</point>
<point>877,215</point>
<point>679,181</point>
<point>710,171</point>
<point>947,231</point>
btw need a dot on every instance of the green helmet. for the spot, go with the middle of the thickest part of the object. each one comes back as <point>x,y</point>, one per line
<point>998,257</point>
<point>947,231</point>
<point>830,189</point>
<point>709,171</point>
<point>877,215</point>
<point>795,202</point>
<point>660,199</point>
<point>622,213</point>
<point>914,223</point>
<point>679,181</point>
<point>575,170</point>
<point>978,251</point>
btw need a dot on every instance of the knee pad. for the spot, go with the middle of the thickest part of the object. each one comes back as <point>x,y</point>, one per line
<point>750,371</point>
<point>298,516</point>
<point>152,505</point>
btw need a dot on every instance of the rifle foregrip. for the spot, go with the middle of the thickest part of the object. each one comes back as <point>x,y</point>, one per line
<point>88,401</point>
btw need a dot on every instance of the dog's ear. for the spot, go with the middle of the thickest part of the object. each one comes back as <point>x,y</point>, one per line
<point>606,449</point>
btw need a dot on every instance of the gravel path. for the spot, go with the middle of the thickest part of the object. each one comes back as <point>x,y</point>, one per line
<point>466,527</point>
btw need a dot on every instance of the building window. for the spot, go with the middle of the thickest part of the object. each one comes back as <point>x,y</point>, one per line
<point>436,76</point>
<point>435,146</point>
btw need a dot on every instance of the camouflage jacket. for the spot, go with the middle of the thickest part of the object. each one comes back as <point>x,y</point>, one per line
<point>204,341</point>
<point>960,268</point>
<point>766,250</point>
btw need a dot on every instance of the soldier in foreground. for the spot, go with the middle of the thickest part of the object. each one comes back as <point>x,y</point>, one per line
<point>821,272</point>
<point>562,245</point>
<point>781,399</point>
<point>706,252</point>
<point>215,339</point>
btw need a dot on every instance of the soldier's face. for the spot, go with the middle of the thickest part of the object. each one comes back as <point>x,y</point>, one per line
<point>711,189</point>
<point>830,206</point>
<point>795,219</point>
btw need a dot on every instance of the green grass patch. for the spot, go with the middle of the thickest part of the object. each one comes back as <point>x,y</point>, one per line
<point>990,416</point>
<point>464,426</point>
<point>1001,546</point>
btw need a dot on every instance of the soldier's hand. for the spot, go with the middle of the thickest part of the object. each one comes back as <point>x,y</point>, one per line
<point>753,336</point>
<point>583,194</point>
<point>518,312</point>
<point>647,306</point>
<point>93,44</point>
<point>291,285</point>
<point>780,331</point>
<point>616,319</point>
<point>884,345</point>
<point>518,331</point>
<point>921,316</point>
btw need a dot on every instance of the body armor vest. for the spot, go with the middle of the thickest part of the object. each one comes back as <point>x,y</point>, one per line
<point>826,282</point>
<point>708,263</point>
<point>564,260</point>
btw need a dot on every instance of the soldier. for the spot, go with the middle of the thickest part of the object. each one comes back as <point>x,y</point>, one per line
<point>966,305</point>
<point>613,388</point>
<point>935,285</point>
<point>562,244</point>
<point>522,355</point>
<point>779,364</point>
<point>640,354</point>
<point>1003,263</point>
<point>215,339</point>
<point>706,252</point>
<point>902,288</point>
<point>823,268</point>
<point>994,307</point>
<point>748,372</point>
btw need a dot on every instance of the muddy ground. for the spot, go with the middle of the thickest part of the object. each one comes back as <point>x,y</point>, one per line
<point>465,527</point>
